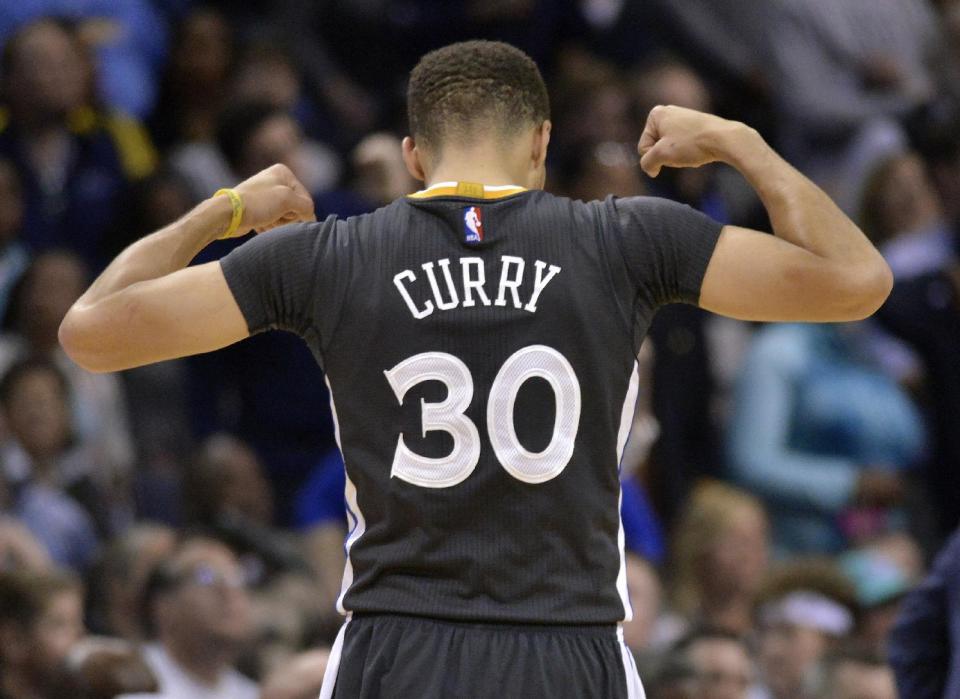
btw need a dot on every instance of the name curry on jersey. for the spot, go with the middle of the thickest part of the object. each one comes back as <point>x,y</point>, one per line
<point>467,286</point>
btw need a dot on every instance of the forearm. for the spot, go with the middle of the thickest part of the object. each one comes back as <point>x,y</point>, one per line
<point>800,212</point>
<point>170,249</point>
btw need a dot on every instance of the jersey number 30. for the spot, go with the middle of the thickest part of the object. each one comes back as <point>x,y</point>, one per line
<point>530,467</point>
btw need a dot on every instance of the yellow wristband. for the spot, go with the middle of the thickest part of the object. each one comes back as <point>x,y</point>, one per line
<point>236,201</point>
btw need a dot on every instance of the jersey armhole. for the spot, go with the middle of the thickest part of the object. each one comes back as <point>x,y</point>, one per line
<point>627,315</point>
<point>325,341</point>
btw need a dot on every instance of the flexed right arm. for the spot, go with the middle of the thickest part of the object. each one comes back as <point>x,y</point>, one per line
<point>819,266</point>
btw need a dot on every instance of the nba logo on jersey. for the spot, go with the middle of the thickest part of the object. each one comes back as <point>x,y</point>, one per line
<point>472,224</point>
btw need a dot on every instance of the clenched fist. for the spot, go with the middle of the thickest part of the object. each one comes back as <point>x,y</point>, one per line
<point>271,198</point>
<point>680,137</point>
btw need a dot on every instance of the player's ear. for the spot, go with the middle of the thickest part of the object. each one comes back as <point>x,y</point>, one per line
<point>541,139</point>
<point>411,158</point>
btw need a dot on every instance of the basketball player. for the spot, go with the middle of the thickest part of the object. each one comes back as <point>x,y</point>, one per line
<point>479,339</point>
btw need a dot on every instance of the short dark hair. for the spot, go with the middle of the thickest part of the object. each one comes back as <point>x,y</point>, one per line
<point>708,633</point>
<point>237,125</point>
<point>466,88</point>
<point>25,595</point>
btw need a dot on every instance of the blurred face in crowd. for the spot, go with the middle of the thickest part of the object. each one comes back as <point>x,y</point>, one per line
<point>855,680</point>
<point>39,652</point>
<point>268,78</point>
<point>645,596</point>
<point>610,168</point>
<point>277,140</point>
<point>47,73</point>
<point>145,547</point>
<point>739,556</point>
<point>677,84</point>
<point>209,606</point>
<point>723,667</point>
<point>672,83</point>
<point>58,629</point>
<point>907,199</point>
<point>608,116</point>
<point>203,53</point>
<point>55,281</point>
<point>788,654</point>
<point>38,414</point>
<point>242,488</point>
<point>11,202</point>
<point>380,174</point>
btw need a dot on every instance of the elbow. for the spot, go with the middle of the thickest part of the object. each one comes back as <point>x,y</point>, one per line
<point>79,343</point>
<point>865,289</point>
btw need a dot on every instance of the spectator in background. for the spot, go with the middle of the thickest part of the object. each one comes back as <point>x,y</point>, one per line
<point>98,411</point>
<point>41,619</point>
<point>722,664</point>
<point>843,72</point>
<point>720,555</point>
<point>19,549</point>
<point>380,176</point>
<point>196,80</point>
<point>300,678</point>
<point>805,608</point>
<point>591,106</point>
<point>857,674</point>
<point>198,605</point>
<point>924,646</point>
<point>13,254</point>
<point>227,494</point>
<point>49,485</point>
<point>127,38</point>
<point>595,171</point>
<point>192,96</point>
<point>925,313</point>
<point>880,583</point>
<point>119,577</point>
<point>266,72</point>
<point>320,513</point>
<point>902,215</point>
<point>674,677</point>
<point>646,597</point>
<point>823,436</point>
<point>75,161</point>
<point>255,135</point>
<point>104,668</point>
<point>940,147</point>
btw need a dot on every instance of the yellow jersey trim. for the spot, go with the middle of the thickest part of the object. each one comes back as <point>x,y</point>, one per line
<point>471,190</point>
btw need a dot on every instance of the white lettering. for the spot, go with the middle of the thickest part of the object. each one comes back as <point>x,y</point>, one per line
<point>507,283</point>
<point>397,280</point>
<point>540,284</point>
<point>445,266</point>
<point>473,282</point>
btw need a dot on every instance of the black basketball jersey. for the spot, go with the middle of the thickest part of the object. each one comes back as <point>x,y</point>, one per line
<point>480,347</point>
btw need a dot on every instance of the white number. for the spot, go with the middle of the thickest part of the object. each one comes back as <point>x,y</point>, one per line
<point>448,416</point>
<point>527,363</point>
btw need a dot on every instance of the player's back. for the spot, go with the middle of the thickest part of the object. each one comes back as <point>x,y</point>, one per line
<point>480,348</point>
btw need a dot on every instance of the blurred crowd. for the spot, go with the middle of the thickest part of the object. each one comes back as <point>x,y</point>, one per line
<point>178,529</point>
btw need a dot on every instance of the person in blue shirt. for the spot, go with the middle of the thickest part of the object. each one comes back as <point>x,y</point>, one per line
<point>75,160</point>
<point>822,435</point>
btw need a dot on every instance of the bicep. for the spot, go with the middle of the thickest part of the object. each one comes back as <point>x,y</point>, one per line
<point>188,312</point>
<point>759,277</point>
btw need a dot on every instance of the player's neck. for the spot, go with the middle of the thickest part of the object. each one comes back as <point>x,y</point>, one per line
<point>483,166</point>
